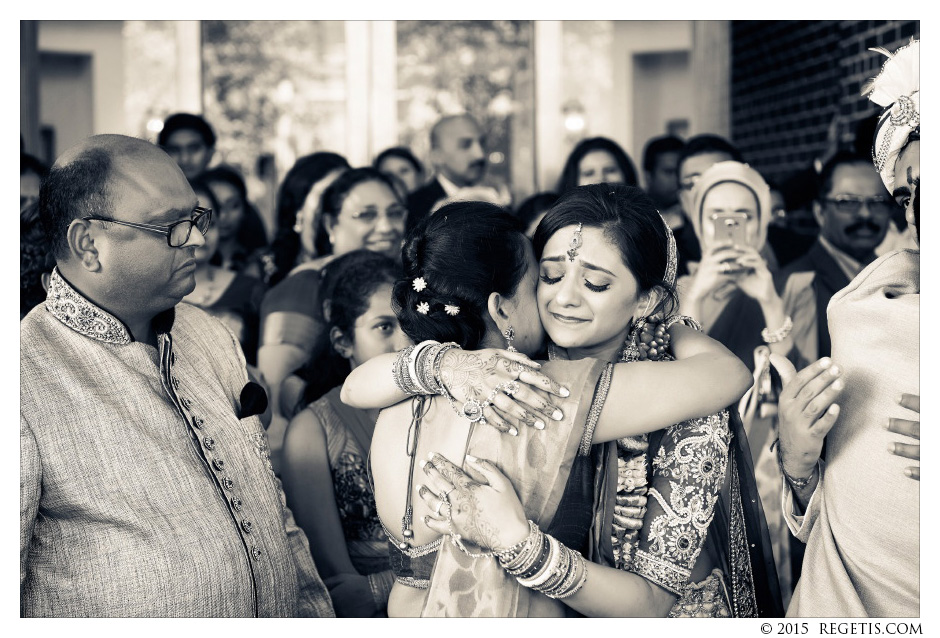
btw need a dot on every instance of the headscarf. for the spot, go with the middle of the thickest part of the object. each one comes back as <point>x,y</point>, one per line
<point>897,88</point>
<point>740,174</point>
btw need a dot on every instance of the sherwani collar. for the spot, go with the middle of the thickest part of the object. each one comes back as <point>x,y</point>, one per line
<point>85,317</point>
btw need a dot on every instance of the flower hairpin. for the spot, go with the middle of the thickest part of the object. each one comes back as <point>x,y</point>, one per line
<point>423,307</point>
<point>419,284</point>
<point>452,310</point>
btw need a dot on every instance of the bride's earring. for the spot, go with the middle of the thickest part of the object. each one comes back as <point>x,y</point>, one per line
<point>299,222</point>
<point>631,350</point>
<point>510,334</point>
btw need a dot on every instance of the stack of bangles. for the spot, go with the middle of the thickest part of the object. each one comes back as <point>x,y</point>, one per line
<point>542,563</point>
<point>417,369</point>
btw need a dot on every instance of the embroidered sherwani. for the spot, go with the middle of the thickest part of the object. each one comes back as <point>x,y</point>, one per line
<point>142,492</point>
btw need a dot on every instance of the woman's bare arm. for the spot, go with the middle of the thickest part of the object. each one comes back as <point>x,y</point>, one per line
<point>646,396</point>
<point>467,374</point>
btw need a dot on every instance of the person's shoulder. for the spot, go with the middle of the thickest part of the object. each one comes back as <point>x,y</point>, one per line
<point>803,263</point>
<point>40,330</point>
<point>295,293</point>
<point>427,195</point>
<point>192,322</point>
<point>892,275</point>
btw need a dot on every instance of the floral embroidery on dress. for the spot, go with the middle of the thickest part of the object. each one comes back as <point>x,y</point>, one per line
<point>357,510</point>
<point>692,460</point>
<point>707,599</point>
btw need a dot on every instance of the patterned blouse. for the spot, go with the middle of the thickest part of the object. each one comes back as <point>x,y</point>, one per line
<point>348,436</point>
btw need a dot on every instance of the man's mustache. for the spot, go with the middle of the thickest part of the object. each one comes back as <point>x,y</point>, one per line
<point>864,224</point>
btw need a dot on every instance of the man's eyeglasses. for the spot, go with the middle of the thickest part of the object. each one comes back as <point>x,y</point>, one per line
<point>177,233</point>
<point>851,205</point>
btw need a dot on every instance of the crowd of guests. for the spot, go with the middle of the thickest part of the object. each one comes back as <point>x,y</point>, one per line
<point>429,294</point>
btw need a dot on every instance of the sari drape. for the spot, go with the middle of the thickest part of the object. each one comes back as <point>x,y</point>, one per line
<point>539,463</point>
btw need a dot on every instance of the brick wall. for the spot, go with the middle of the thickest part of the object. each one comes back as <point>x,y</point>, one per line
<point>789,79</point>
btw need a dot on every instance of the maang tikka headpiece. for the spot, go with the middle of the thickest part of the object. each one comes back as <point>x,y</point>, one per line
<point>575,243</point>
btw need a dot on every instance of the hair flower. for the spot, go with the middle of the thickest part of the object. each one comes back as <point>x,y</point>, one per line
<point>419,284</point>
<point>423,307</point>
<point>453,311</point>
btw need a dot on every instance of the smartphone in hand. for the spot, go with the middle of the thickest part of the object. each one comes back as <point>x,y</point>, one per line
<point>730,228</point>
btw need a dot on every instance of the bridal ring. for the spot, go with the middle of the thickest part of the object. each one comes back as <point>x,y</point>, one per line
<point>510,388</point>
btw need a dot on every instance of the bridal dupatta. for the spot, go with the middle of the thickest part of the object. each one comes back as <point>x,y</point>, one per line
<point>538,463</point>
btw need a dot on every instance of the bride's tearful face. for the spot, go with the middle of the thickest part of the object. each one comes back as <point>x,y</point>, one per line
<point>587,301</point>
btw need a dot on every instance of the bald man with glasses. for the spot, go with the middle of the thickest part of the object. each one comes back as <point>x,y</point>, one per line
<point>145,484</point>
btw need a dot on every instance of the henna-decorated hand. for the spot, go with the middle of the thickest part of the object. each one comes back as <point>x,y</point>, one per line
<point>485,376</point>
<point>909,428</point>
<point>484,511</point>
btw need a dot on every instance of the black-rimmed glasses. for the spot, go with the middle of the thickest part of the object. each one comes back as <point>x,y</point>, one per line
<point>177,233</point>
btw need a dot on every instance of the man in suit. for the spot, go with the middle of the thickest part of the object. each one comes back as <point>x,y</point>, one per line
<point>853,210</point>
<point>458,154</point>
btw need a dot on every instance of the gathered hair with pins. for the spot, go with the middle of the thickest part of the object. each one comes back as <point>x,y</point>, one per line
<point>463,253</point>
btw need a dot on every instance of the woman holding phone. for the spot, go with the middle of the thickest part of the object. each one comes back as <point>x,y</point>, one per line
<point>732,292</point>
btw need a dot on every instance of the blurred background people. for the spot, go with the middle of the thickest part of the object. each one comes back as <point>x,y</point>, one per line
<point>31,173</point>
<point>400,162</point>
<point>595,160</point>
<point>458,155</point>
<point>361,209</point>
<point>233,297</point>
<point>36,260</point>
<point>189,140</point>
<point>853,210</point>
<point>698,155</point>
<point>298,210</point>
<point>327,443</point>
<point>660,168</point>
<point>533,209</point>
<point>241,240</point>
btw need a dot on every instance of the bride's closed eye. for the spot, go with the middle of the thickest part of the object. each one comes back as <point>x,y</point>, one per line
<point>596,287</point>
<point>549,280</point>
